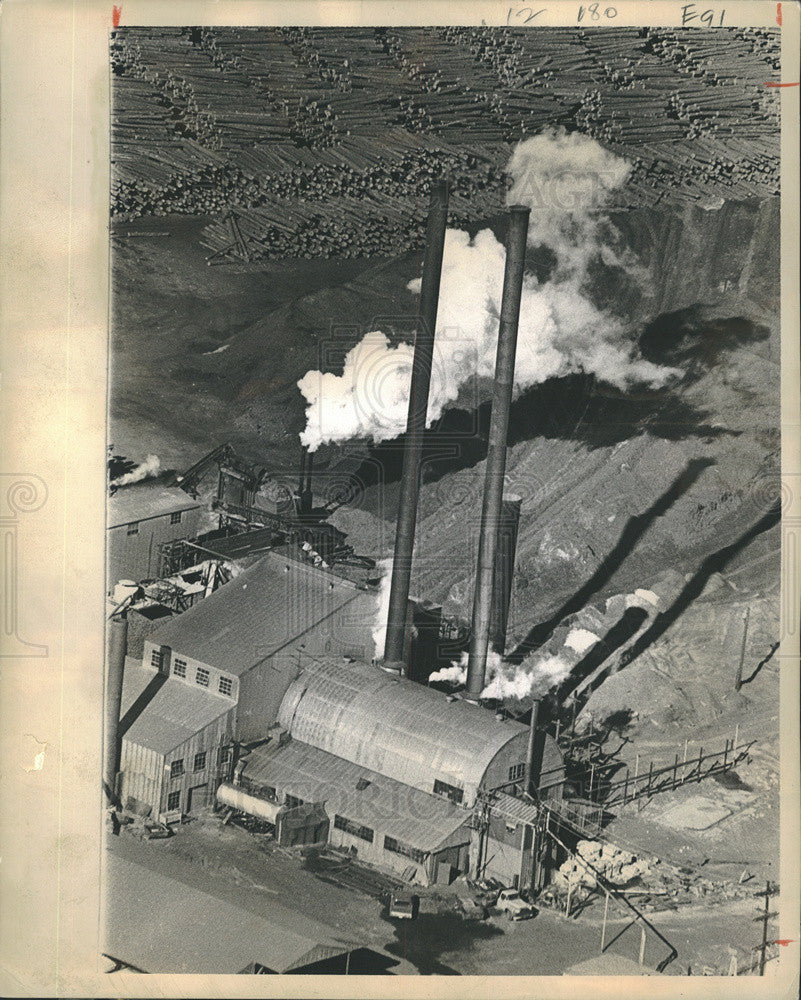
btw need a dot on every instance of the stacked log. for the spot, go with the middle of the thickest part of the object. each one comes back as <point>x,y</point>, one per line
<point>206,120</point>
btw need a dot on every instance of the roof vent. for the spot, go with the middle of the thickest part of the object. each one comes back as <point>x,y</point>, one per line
<point>361,784</point>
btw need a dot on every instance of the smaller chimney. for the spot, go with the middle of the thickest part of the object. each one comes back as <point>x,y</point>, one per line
<point>115,667</point>
<point>532,770</point>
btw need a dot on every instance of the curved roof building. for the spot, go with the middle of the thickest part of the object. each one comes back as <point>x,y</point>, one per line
<point>406,731</point>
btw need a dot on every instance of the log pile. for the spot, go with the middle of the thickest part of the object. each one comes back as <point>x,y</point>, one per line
<point>328,138</point>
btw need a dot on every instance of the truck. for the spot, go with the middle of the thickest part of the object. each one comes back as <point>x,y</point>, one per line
<point>511,903</point>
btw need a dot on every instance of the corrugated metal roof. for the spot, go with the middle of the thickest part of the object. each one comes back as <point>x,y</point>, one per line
<point>152,923</point>
<point>394,726</point>
<point>170,713</point>
<point>139,501</point>
<point>356,792</point>
<point>270,604</point>
<point>512,808</point>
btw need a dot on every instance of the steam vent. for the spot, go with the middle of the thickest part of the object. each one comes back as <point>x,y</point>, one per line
<point>444,521</point>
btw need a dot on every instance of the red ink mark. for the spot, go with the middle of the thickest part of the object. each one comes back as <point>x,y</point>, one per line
<point>784,942</point>
<point>116,14</point>
<point>779,14</point>
<point>768,83</point>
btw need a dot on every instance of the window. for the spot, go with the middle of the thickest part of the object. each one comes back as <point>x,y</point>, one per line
<point>200,761</point>
<point>353,652</point>
<point>355,829</point>
<point>173,801</point>
<point>398,847</point>
<point>448,791</point>
<point>225,755</point>
<point>202,677</point>
<point>177,768</point>
<point>179,668</point>
<point>516,772</point>
<point>175,517</point>
<point>226,686</point>
<point>133,528</point>
<point>155,659</point>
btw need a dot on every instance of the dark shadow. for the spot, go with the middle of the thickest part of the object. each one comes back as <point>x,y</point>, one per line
<point>630,622</point>
<point>141,703</point>
<point>695,343</point>
<point>714,563</point>
<point>423,940</point>
<point>634,530</point>
<point>762,662</point>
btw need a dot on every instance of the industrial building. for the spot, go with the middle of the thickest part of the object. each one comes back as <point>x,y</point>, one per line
<point>403,772</point>
<point>220,670</point>
<point>142,517</point>
<point>270,695</point>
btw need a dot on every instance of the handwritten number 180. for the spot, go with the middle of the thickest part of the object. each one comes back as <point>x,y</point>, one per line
<point>595,12</point>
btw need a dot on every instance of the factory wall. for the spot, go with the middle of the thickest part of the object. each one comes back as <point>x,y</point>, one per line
<point>507,852</point>
<point>261,690</point>
<point>133,549</point>
<point>195,788</point>
<point>507,763</point>
<point>141,776</point>
<point>146,774</point>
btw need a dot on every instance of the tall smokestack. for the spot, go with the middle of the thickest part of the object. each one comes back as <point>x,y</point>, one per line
<point>503,577</point>
<point>395,651</point>
<point>496,451</point>
<point>302,476</point>
<point>117,647</point>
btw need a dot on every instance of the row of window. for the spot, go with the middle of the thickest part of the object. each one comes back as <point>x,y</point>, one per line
<point>225,685</point>
<point>199,763</point>
<point>390,843</point>
<point>175,518</point>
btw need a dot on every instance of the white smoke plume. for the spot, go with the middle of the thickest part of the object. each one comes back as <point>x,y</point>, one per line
<point>504,680</point>
<point>528,679</point>
<point>382,607</point>
<point>146,470</point>
<point>566,179</point>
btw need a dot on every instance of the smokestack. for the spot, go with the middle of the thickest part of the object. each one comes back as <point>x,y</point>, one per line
<point>117,647</point>
<point>302,477</point>
<point>496,451</point>
<point>503,577</point>
<point>531,749</point>
<point>394,646</point>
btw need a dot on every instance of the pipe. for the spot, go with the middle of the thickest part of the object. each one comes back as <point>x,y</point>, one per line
<point>302,477</point>
<point>531,748</point>
<point>395,646</point>
<point>496,451</point>
<point>117,648</point>
<point>503,577</point>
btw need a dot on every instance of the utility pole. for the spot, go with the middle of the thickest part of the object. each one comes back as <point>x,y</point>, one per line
<point>765,917</point>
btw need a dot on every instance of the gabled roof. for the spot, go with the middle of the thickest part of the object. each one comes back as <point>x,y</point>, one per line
<point>141,501</point>
<point>422,820</point>
<point>404,730</point>
<point>161,713</point>
<point>269,605</point>
<point>158,924</point>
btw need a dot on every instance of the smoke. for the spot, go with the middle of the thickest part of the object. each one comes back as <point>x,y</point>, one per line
<point>149,468</point>
<point>382,607</point>
<point>533,680</point>
<point>566,179</point>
